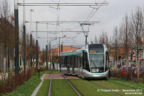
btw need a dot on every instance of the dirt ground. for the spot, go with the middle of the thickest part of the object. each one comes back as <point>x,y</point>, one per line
<point>59,76</point>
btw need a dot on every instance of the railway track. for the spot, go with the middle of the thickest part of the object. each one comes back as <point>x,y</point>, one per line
<point>67,81</point>
<point>50,85</point>
<point>71,85</point>
<point>100,86</point>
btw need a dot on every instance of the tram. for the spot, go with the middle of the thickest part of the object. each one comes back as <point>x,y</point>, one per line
<point>89,62</point>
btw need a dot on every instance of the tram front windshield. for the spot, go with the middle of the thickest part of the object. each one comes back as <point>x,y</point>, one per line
<point>96,60</point>
<point>96,56</point>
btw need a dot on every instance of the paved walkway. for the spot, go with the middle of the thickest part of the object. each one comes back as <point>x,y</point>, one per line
<point>38,87</point>
<point>59,76</point>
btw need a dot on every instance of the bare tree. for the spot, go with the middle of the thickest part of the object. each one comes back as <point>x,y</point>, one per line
<point>115,36</point>
<point>6,38</point>
<point>95,41</point>
<point>6,31</point>
<point>104,38</point>
<point>137,24</point>
<point>125,30</point>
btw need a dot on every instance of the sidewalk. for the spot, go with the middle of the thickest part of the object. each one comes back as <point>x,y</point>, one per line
<point>38,87</point>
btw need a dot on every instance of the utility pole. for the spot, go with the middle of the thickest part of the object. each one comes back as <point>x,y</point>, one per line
<point>37,55</point>
<point>24,47</point>
<point>24,38</point>
<point>59,53</point>
<point>47,50</point>
<point>31,36</point>
<point>59,47</point>
<point>16,37</point>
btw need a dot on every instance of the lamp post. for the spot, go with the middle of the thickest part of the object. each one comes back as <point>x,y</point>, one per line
<point>16,37</point>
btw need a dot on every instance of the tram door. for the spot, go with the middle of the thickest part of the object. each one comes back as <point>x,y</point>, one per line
<point>85,61</point>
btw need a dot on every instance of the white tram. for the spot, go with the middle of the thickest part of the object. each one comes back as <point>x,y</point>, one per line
<point>90,62</point>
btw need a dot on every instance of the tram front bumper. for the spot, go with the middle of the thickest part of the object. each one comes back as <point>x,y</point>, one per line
<point>95,75</point>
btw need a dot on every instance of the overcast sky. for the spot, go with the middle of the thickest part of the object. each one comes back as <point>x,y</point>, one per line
<point>109,16</point>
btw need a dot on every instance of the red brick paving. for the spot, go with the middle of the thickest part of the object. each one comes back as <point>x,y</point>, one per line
<point>59,76</point>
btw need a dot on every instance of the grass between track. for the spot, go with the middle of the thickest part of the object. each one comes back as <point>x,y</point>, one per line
<point>127,83</point>
<point>29,86</point>
<point>43,91</point>
<point>121,85</point>
<point>61,88</point>
<point>87,88</point>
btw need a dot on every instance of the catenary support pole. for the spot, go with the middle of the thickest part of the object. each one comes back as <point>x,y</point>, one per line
<point>47,57</point>
<point>24,47</point>
<point>16,37</point>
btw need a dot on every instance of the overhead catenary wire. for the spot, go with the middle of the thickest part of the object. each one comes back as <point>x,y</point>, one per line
<point>90,16</point>
<point>62,4</point>
<point>57,6</point>
<point>94,10</point>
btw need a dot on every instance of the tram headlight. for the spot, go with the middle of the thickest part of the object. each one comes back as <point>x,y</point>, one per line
<point>95,70</point>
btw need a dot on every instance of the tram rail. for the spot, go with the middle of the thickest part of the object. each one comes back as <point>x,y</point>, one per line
<point>50,86</point>
<point>71,85</point>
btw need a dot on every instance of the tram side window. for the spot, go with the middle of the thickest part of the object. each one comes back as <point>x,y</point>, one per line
<point>62,61</point>
<point>73,61</point>
<point>76,63</point>
<point>80,61</point>
<point>65,61</point>
<point>85,61</point>
<point>68,61</point>
<point>71,64</point>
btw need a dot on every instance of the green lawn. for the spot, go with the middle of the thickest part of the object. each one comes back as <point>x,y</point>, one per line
<point>28,87</point>
<point>120,85</point>
<point>87,88</point>
<point>61,88</point>
<point>43,91</point>
<point>127,83</point>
